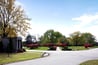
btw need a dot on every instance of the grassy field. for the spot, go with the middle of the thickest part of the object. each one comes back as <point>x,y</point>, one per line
<point>90,62</point>
<point>74,48</point>
<point>41,48</point>
<point>18,57</point>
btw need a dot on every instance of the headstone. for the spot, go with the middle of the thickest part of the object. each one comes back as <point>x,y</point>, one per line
<point>5,42</point>
<point>58,49</point>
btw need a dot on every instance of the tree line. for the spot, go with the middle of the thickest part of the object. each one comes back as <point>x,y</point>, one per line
<point>76,38</point>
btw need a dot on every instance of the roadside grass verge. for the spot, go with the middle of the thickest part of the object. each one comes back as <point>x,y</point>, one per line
<point>74,48</point>
<point>77,48</point>
<point>41,48</point>
<point>90,62</point>
<point>15,57</point>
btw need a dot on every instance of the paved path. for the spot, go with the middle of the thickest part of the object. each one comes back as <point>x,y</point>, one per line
<point>62,58</point>
<point>58,49</point>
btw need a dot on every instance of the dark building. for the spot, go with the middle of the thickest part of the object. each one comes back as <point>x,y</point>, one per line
<point>13,44</point>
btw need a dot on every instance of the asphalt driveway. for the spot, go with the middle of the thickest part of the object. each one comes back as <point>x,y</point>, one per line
<point>62,58</point>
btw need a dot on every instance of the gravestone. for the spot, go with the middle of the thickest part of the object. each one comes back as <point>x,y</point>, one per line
<point>11,44</point>
<point>58,49</point>
<point>17,44</point>
<point>5,42</point>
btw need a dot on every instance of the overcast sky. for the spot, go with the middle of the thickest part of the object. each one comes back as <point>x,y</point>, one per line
<point>65,16</point>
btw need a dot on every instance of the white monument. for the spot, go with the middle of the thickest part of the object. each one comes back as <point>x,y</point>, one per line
<point>58,49</point>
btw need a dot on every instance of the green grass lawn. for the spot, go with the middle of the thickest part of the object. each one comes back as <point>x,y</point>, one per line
<point>18,57</point>
<point>71,47</point>
<point>77,48</point>
<point>90,62</point>
<point>41,48</point>
<point>81,47</point>
<point>74,48</point>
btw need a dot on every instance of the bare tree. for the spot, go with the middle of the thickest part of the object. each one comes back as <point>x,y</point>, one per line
<point>12,19</point>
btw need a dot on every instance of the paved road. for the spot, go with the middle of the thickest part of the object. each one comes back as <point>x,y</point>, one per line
<point>63,58</point>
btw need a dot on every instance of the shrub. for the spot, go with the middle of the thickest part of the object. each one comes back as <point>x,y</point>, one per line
<point>87,45</point>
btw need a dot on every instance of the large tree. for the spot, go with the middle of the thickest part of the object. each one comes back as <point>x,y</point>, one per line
<point>75,37</point>
<point>78,38</point>
<point>51,36</point>
<point>87,38</point>
<point>12,19</point>
<point>30,39</point>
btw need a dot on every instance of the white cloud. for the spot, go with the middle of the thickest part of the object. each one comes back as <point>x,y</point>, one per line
<point>86,20</point>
